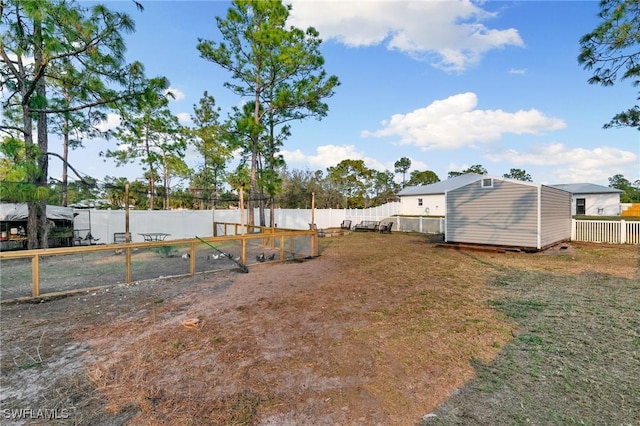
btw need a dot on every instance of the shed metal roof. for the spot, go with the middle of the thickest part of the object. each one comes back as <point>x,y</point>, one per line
<point>440,187</point>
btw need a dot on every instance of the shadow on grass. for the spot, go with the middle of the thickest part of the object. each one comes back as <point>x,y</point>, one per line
<point>575,360</point>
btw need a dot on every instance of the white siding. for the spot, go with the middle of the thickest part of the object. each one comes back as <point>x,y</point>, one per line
<point>555,216</point>
<point>432,205</point>
<point>506,214</point>
<point>598,204</point>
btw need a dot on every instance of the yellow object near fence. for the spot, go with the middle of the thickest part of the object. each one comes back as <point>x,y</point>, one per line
<point>631,211</point>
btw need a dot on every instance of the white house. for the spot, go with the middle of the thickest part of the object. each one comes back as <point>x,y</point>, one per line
<point>588,199</point>
<point>429,200</point>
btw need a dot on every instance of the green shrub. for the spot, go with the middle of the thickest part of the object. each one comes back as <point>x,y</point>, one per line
<point>165,251</point>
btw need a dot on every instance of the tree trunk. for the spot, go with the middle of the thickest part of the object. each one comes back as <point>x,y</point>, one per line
<point>253,178</point>
<point>270,165</point>
<point>32,215</point>
<point>263,220</point>
<point>152,189</point>
<point>255,151</point>
<point>65,155</point>
<point>43,163</point>
<point>165,178</point>
<point>32,225</point>
<point>42,229</point>
<point>272,211</point>
<point>261,192</point>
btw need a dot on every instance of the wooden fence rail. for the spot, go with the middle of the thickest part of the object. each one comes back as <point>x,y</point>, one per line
<point>283,239</point>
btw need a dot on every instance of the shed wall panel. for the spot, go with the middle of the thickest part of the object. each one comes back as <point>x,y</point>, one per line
<point>555,216</point>
<point>505,214</point>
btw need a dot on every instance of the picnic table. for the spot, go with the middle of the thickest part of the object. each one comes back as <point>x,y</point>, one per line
<point>154,236</point>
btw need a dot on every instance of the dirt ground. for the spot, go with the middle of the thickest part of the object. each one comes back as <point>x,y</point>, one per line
<point>377,330</point>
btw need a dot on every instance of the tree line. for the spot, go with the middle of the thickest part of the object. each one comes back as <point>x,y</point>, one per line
<point>349,184</point>
<point>63,70</point>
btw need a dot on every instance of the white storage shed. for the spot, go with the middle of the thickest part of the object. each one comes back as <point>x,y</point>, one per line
<point>504,212</point>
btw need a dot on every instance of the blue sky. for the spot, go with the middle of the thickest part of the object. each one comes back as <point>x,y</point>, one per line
<point>448,84</point>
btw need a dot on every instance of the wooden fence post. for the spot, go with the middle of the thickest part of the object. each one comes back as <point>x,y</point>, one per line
<point>128,263</point>
<point>192,259</point>
<point>282,247</point>
<point>314,244</point>
<point>35,275</point>
<point>127,234</point>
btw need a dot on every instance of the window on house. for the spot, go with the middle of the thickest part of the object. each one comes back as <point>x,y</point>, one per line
<point>419,202</point>
<point>487,183</point>
<point>581,206</point>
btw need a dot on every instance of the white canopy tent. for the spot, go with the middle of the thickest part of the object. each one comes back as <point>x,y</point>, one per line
<point>18,212</point>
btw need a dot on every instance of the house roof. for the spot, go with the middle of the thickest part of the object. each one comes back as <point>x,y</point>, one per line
<point>459,181</point>
<point>586,188</point>
<point>440,187</point>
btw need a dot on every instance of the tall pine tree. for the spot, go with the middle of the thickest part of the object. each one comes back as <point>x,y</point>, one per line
<point>40,39</point>
<point>279,70</point>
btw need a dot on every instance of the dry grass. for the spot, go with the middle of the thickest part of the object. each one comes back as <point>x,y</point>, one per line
<point>576,358</point>
<point>384,334</point>
<point>380,329</point>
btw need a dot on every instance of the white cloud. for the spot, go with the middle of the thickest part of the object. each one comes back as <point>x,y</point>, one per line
<point>453,166</point>
<point>518,71</point>
<point>184,118</point>
<point>570,164</point>
<point>555,154</point>
<point>331,155</point>
<point>451,32</point>
<point>415,165</point>
<point>5,93</point>
<point>325,156</point>
<point>455,122</point>
<point>296,156</point>
<point>178,94</point>
<point>112,121</point>
<point>577,175</point>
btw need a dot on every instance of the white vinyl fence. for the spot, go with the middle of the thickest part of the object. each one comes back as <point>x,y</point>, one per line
<point>606,231</point>
<point>421,224</point>
<point>374,213</point>
<point>188,223</point>
<point>103,224</point>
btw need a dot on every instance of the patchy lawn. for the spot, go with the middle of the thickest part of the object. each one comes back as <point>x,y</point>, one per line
<point>380,329</point>
<point>576,357</point>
